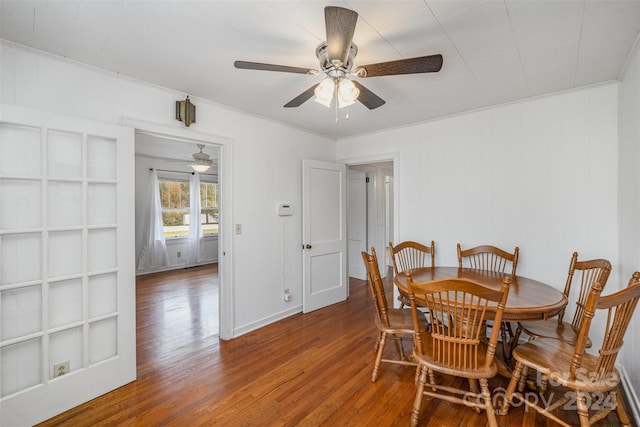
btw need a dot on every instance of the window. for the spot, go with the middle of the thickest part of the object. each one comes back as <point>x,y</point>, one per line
<point>209,207</point>
<point>174,197</point>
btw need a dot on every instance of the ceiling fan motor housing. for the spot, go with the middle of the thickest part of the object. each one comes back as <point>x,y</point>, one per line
<point>334,68</point>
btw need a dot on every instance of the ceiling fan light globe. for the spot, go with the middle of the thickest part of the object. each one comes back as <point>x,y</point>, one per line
<point>324,92</point>
<point>325,88</point>
<point>323,101</point>
<point>347,93</point>
<point>345,103</point>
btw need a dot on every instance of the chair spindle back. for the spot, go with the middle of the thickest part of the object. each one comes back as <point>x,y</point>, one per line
<point>458,340</point>
<point>409,255</point>
<point>592,271</point>
<point>619,308</point>
<point>489,258</point>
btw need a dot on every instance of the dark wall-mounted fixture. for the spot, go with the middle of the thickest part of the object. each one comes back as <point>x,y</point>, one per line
<point>186,111</point>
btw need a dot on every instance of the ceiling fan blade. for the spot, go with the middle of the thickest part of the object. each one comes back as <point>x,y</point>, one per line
<point>340,24</point>
<point>368,98</point>
<point>421,64</point>
<point>302,98</point>
<point>271,67</point>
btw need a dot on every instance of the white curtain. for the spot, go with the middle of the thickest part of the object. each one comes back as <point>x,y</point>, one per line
<point>154,248</point>
<point>195,223</point>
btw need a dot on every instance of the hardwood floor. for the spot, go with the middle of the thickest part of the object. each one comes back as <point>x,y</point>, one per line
<point>306,370</point>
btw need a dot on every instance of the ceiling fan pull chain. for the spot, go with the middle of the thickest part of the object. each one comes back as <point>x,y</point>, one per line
<point>335,97</point>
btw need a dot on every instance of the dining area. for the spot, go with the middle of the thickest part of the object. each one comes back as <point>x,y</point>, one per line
<point>480,320</point>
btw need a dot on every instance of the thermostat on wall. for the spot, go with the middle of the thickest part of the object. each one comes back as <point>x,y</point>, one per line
<point>285,210</point>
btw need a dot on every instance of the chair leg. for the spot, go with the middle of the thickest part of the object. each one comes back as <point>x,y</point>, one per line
<point>511,388</point>
<point>583,410</point>
<point>376,366</point>
<point>522,382</point>
<point>488,404</point>
<point>544,383</point>
<point>377,344</point>
<point>620,411</point>
<point>432,379</point>
<point>417,403</point>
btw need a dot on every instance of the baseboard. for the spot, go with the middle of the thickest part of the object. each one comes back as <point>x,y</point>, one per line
<point>175,267</point>
<point>632,397</point>
<point>266,321</point>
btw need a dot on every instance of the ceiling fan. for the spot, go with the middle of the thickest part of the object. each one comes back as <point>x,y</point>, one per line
<point>201,161</point>
<point>336,57</point>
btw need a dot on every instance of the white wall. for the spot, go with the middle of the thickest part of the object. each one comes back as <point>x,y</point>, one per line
<point>539,174</point>
<point>629,202</point>
<point>266,168</point>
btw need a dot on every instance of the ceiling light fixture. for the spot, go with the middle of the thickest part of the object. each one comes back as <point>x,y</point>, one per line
<point>324,92</point>
<point>200,167</point>
<point>347,93</point>
<point>201,161</point>
<point>341,88</point>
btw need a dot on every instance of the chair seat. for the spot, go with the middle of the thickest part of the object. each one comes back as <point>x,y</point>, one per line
<point>552,329</point>
<point>401,322</point>
<point>481,372</point>
<point>551,357</point>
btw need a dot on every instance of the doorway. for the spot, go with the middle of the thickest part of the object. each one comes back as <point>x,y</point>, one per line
<point>370,213</point>
<point>225,236</point>
<point>171,161</point>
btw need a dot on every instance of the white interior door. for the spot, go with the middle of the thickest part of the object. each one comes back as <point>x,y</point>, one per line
<point>324,234</point>
<point>357,222</point>
<point>67,282</point>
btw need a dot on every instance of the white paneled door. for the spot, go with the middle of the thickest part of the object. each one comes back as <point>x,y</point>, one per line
<point>357,223</point>
<point>67,283</point>
<point>324,234</point>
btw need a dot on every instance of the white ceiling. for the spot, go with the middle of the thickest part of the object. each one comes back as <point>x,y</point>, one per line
<point>494,51</point>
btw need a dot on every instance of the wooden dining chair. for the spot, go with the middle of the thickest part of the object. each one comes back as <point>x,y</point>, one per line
<point>396,323</point>
<point>592,271</point>
<point>592,379</point>
<point>459,347</point>
<point>408,255</point>
<point>487,257</point>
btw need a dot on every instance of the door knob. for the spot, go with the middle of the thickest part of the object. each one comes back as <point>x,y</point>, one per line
<point>308,246</point>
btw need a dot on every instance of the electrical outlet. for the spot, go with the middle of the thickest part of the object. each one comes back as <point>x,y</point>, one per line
<point>287,295</point>
<point>59,369</point>
<point>238,228</point>
<point>178,254</point>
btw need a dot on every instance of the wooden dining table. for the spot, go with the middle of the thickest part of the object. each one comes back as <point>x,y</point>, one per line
<point>528,299</point>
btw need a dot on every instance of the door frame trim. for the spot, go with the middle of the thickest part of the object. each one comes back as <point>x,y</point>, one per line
<point>225,237</point>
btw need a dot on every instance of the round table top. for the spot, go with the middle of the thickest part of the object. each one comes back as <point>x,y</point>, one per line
<point>528,299</point>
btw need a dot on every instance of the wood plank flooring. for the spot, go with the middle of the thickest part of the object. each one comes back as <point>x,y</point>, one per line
<point>306,370</point>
